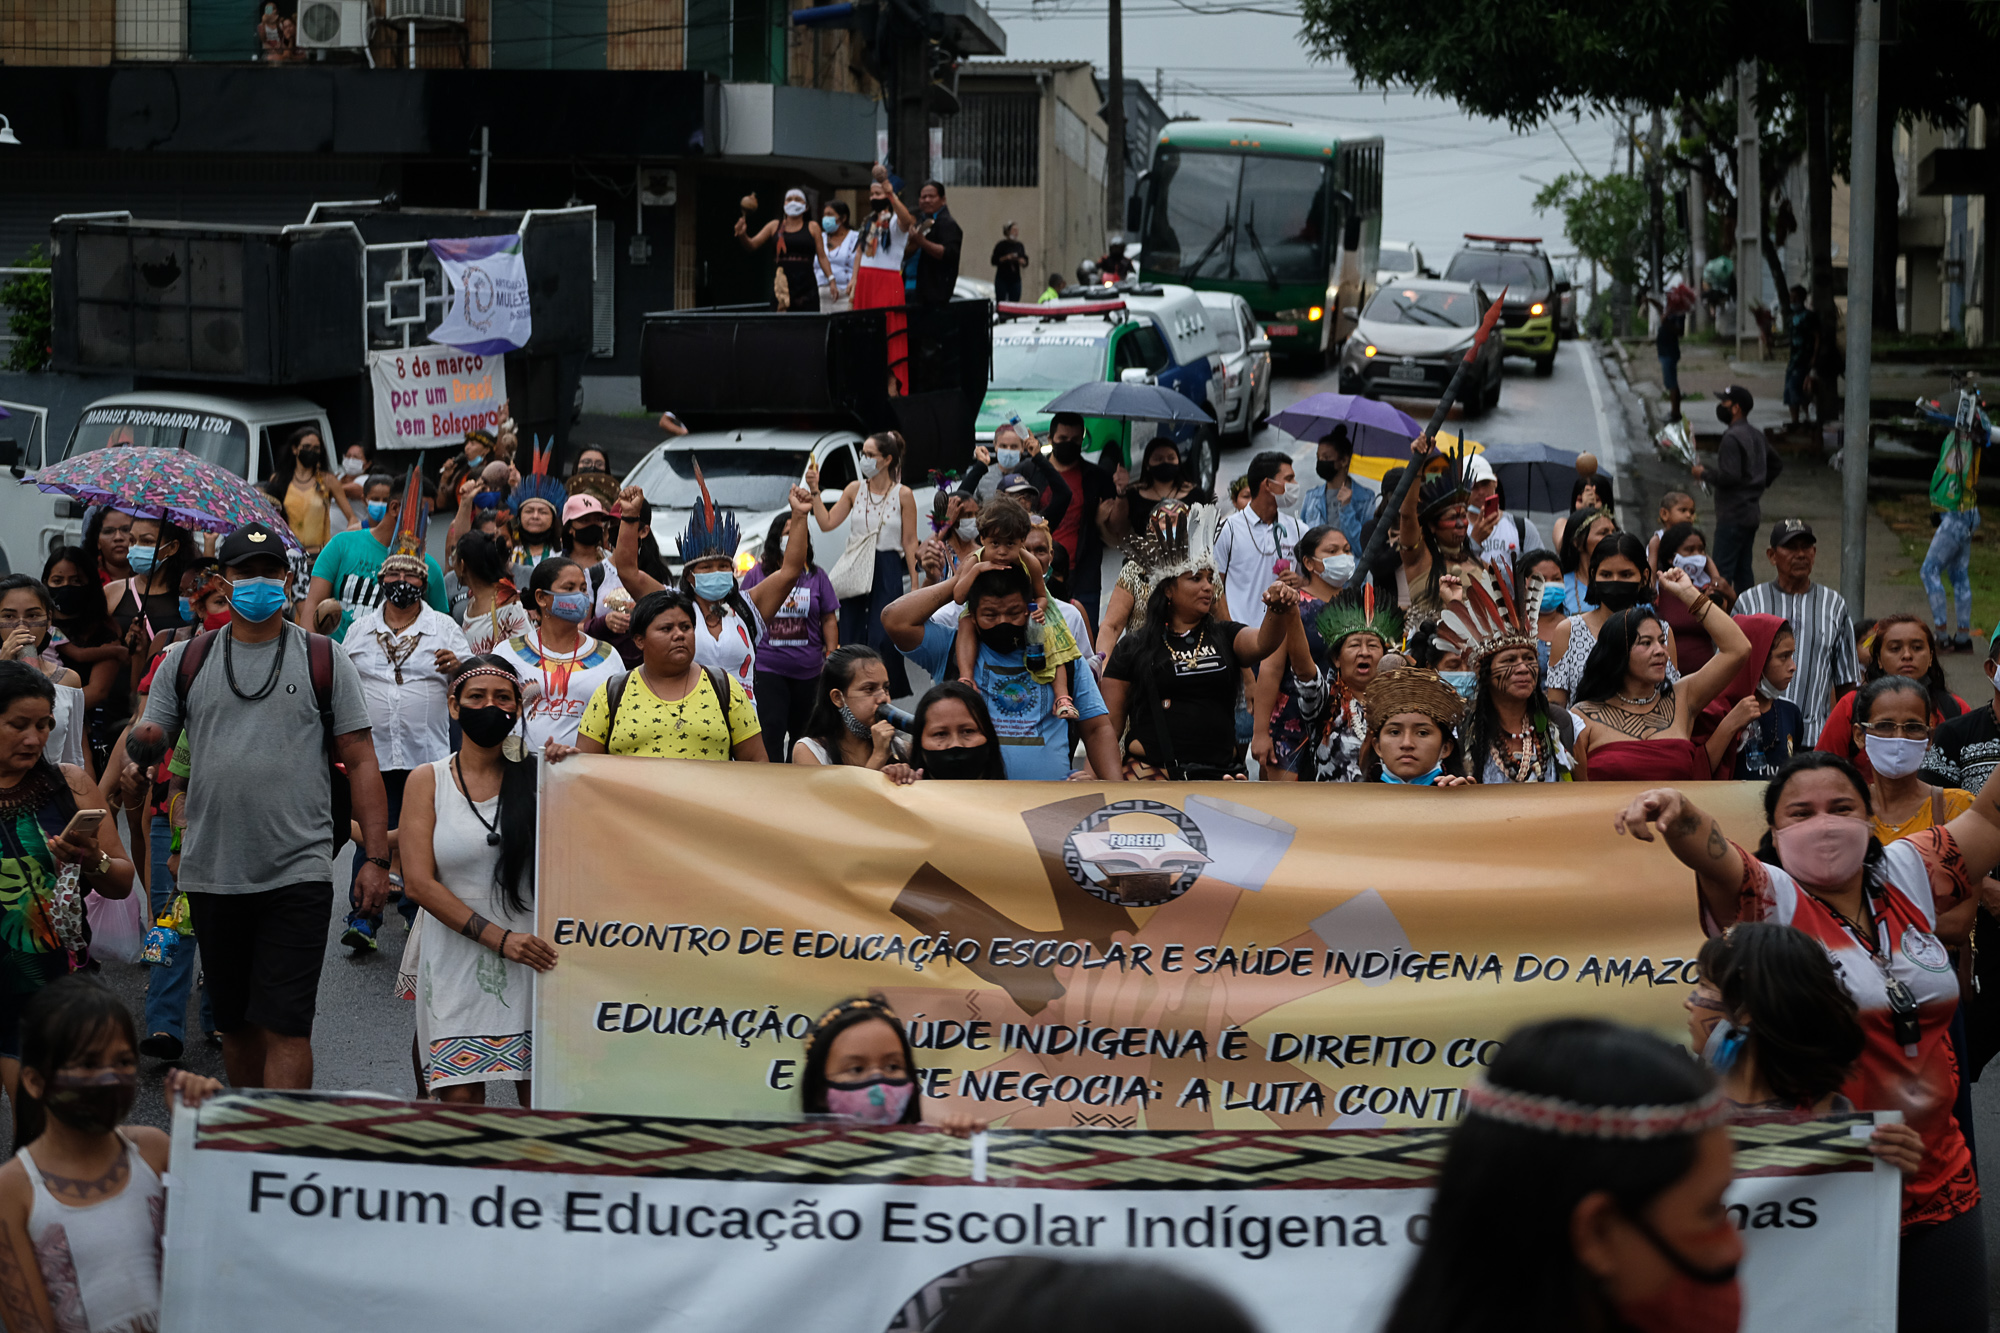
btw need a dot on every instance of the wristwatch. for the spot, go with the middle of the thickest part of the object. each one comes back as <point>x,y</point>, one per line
<point>103,866</point>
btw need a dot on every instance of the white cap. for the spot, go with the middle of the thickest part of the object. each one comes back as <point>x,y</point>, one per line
<point>1477,469</point>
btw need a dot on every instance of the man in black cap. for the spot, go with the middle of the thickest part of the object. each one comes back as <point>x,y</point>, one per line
<point>1818,616</point>
<point>1745,465</point>
<point>257,852</point>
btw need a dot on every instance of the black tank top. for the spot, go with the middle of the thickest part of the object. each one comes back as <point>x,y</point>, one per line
<point>799,258</point>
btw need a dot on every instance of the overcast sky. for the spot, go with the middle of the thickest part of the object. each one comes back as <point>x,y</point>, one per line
<point>1444,173</point>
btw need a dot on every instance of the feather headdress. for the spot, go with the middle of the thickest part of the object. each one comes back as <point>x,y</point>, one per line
<point>1357,614</point>
<point>1179,540</point>
<point>710,531</point>
<point>537,484</point>
<point>1482,624</point>
<point>415,518</point>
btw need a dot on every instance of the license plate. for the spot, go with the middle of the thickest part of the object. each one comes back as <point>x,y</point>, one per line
<point>1414,374</point>
<point>1281,330</point>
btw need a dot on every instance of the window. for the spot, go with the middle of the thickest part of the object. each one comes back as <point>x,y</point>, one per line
<point>738,40</point>
<point>994,140</point>
<point>549,34</point>
<point>836,467</point>
<point>1143,349</point>
<point>1220,215</point>
<point>1500,268</point>
<point>1427,308</point>
<point>1053,360</point>
<point>222,441</point>
<point>1192,210</point>
<point>1282,231</point>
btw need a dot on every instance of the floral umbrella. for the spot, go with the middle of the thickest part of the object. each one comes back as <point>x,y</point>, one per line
<point>165,483</point>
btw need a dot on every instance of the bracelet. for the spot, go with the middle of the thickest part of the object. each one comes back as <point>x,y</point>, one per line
<point>502,950</point>
<point>382,861</point>
<point>475,926</point>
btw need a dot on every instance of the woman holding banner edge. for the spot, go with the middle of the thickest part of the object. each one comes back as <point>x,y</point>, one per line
<point>1885,914</point>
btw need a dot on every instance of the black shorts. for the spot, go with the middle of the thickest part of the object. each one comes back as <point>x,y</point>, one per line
<point>262,953</point>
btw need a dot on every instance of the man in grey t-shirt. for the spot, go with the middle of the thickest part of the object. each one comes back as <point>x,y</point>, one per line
<point>257,852</point>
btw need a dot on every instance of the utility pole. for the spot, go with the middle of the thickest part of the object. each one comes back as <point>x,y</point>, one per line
<point>1697,236</point>
<point>1749,204</point>
<point>1114,123</point>
<point>1657,205</point>
<point>1860,308</point>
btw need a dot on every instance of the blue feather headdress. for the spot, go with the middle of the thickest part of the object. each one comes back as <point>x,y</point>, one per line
<point>537,484</point>
<point>710,531</point>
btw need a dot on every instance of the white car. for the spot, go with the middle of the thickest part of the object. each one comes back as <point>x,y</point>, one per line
<point>1397,261</point>
<point>750,472</point>
<point>1246,365</point>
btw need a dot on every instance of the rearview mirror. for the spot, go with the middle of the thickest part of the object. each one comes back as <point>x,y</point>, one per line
<point>1260,345</point>
<point>1350,312</point>
<point>1563,286</point>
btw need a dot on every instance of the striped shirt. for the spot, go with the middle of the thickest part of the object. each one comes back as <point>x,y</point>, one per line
<point>1825,634</point>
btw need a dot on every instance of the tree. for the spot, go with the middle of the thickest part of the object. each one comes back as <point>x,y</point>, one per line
<point>30,318</point>
<point>1605,216</point>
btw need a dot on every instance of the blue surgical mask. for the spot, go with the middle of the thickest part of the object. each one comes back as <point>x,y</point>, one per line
<point>377,510</point>
<point>571,606</point>
<point>1009,458</point>
<point>712,585</point>
<point>1421,780</point>
<point>1553,597</point>
<point>141,558</point>
<point>1465,682</point>
<point>187,611</point>
<point>257,599</point>
<point>829,222</point>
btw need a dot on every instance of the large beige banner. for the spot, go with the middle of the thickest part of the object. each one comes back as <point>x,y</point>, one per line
<point>1164,956</point>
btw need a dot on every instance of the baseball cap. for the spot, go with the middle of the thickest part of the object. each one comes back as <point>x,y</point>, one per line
<point>579,505</point>
<point>1739,395</point>
<point>248,542</point>
<point>1477,469</point>
<point>1014,481</point>
<point>1788,530</point>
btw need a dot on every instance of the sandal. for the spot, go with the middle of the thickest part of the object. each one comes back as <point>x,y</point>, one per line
<point>1066,708</point>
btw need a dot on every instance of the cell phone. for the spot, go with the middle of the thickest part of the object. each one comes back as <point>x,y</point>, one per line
<point>83,824</point>
<point>1492,506</point>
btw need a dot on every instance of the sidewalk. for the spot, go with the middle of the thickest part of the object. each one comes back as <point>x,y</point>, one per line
<point>1809,489</point>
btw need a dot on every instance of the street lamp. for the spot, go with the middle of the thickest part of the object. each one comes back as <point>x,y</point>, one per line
<point>7,135</point>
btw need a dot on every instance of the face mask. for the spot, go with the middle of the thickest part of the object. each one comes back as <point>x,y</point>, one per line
<point>1895,756</point>
<point>590,534</point>
<point>571,606</point>
<point>829,222</point>
<point>310,459</point>
<point>1825,851</point>
<point>1553,597</point>
<point>855,726</point>
<point>795,208</point>
<point>1161,474</point>
<point>1290,496</point>
<point>1465,682</point>
<point>141,558</point>
<point>1695,1301</point>
<point>1616,596</point>
<point>487,726</point>
<point>75,600</point>
<point>1695,567</point>
<point>1009,458</point>
<point>377,510</point>
<point>876,1101</point>
<point>1005,637</point>
<point>404,595</point>
<point>215,620</point>
<point>968,529</point>
<point>1066,451</point>
<point>186,608</point>
<point>869,466</point>
<point>257,600</point>
<point>1421,780</point>
<point>712,585</point>
<point>957,764</point>
<point>592,466</point>
<point>1338,569</point>
<point>1723,414</point>
<point>94,1103</point>
<point>351,467</point>
<point>1329,469</point>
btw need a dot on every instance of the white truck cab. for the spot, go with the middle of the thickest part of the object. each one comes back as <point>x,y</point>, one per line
<point>237,434</point>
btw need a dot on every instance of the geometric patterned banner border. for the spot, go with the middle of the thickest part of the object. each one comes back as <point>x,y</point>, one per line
<point>808,1153</point>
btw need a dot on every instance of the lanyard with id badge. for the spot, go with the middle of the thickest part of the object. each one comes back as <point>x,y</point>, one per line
<point>1902,1000</point>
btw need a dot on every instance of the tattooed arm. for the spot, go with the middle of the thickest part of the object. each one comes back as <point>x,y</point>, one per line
<point>1693,835</point>
<point>24,1298</point>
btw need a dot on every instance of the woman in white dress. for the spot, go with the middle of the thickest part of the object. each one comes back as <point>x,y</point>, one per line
<point>468,847</point>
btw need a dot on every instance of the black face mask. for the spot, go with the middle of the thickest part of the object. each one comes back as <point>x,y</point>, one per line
<point>94,1103</point>
<point>74,600</point>
<point>1617,596</point>
<point>1723,414</point>
<point>1162,474</point>
<point>1329,469</point>
<point>590,534</point>
<point>591,467</point>
<point>958,763</point>
<point>310,459</point>
<point>1066,451</point>
<point>485,726</point>
<point>1005,637</point>
<point>403,595</point>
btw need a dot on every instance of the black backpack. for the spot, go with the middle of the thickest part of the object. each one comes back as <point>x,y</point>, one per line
<point>716,681</point>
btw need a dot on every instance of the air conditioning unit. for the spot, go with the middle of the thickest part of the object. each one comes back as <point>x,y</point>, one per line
<point>425,11</point>
<point>327,24</point>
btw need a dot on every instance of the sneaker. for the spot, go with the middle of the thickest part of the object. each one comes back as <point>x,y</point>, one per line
<point>161,1046</point>
<point>359,936</point>
<point>1962,644</point>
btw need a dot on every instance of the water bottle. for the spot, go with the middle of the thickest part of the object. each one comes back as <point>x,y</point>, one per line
<point>1036,659</point>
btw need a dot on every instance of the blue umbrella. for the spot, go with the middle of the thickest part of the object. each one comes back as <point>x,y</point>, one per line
<point>1126,402</point>
<point>1533,476</point>
<point>1378,429</point>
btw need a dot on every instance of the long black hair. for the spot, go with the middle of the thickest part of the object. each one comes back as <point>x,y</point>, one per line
<point>286,465</point>
<point>1943,702</point>
<point>774,545</point>
<point>64,1022</point>
<point>485,559</point>
<point>1779,985</point>
<point>92,533</point>
<point>1535,1179</point>
<point>1575,528</point>
<point>819,1044</point>
<point>1601,482</point>
<point>1671,540</point>
<point>1616,544</point>
<point>513,873</point>
<point>826,725</point>
<point>1611,656</point>
<point>1483,731</point>
<point>996,767</point>
<point>1023,1291</point>
<point>186,551</point>
<point>1524,569</point>
<point>94,624</point>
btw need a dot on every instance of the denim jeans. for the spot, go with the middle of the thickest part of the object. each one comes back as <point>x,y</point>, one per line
<point>167,987</point>
<point>1951,553</point>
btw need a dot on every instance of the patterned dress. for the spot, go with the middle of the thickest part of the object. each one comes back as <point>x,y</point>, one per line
<point>31,956</point>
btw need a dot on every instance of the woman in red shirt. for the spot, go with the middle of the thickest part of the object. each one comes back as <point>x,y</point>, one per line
<point>1880,912</point>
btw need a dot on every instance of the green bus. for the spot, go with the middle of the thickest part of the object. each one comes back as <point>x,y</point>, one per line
<point>1287,216</point>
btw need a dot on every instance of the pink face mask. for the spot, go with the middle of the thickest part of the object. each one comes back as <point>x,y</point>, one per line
<point>1825,851</point>
<point>875,1101</point>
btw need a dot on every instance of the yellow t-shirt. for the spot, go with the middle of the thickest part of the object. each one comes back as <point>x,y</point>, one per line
<point>1957,801</point>
<point>656,728</point>
<point>306,511</point>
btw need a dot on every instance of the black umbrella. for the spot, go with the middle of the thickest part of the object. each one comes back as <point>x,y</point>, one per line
<point>1533,476</point>
<point>1126,402</point>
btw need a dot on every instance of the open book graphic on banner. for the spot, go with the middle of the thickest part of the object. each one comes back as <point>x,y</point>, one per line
<point>489,310</point>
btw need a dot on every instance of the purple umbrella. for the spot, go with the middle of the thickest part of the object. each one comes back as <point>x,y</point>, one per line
<point>164,483</point>
<point>1377,429</point>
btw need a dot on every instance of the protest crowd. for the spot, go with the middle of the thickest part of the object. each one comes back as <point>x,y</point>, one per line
<point>242,721</point>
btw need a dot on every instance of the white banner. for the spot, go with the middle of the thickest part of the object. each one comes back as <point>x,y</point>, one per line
<point>490,307</point>
<point>428,395</point>
<point>325,1214</point>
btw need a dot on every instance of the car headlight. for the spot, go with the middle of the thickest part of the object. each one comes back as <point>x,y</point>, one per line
<point>1536,309</point>
<point>1369,350</point>
<point>1314,313</point>
<point>744,559</point>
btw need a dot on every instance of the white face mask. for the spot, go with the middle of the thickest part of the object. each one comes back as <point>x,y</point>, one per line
<point>1338,569</point>
<point>1895,756</point>
<point>795,208</point>
<point>968,529</point>
<point>870,466</point>
<point>1695,567</point>
<point>352,467</point>
<point>1290,497</point>
<point>1009,458</point>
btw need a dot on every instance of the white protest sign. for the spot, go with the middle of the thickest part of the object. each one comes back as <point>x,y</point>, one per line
<point>490,307</point>
<point>429,395</point>
<point>589,1222</point>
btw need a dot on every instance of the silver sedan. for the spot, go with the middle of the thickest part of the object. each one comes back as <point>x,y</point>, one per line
<point>1411,338</point>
